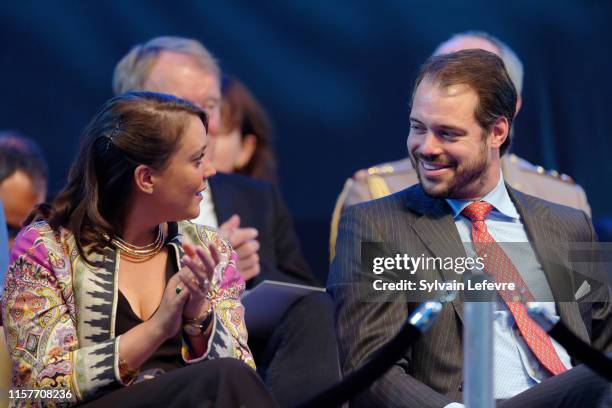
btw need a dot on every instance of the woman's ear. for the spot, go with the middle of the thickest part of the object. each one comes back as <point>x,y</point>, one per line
<point>247,150</point>
<point>144,179</point>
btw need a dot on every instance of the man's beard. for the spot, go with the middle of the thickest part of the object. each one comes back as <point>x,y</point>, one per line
<point>465,175</point>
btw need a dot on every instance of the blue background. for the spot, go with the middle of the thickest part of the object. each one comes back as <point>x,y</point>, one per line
<point>335,78</point>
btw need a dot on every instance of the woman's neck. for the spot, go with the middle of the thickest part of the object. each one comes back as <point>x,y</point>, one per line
<point>138,227</point>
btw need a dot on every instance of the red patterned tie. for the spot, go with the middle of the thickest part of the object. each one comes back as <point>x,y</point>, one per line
<point>499,265</point>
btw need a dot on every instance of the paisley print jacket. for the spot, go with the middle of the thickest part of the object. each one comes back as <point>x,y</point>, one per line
<point>59,312</point>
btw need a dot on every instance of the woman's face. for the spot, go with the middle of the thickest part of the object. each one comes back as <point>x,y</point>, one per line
<point>232,151</point>
<point>178,188</point>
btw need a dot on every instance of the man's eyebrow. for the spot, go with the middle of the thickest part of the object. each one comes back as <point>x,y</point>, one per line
<point>454,129</point>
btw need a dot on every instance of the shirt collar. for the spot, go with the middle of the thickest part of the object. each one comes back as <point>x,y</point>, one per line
<point>498,198</point>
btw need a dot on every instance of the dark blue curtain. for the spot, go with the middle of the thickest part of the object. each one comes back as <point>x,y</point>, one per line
<point>334,76</point>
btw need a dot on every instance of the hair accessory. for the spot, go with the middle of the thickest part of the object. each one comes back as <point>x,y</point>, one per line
<point>116,128</point>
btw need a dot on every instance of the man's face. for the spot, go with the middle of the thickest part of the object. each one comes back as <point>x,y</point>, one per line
<point>19,194</point>
<point>451,152</point>
<point>180,75</point>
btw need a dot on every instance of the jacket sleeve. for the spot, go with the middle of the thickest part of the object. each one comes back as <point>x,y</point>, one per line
<point>40,329</point>
<point>229,334</point>
<point>289,258</point>
<point>598,303</point>
<point>366,320</point>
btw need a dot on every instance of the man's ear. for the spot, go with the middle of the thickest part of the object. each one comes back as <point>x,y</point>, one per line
<point>144,179</point>
<point>499,132</point>
<point>247,149</point>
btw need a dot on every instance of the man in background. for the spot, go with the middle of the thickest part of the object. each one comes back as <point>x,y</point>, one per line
<point>23,180</point>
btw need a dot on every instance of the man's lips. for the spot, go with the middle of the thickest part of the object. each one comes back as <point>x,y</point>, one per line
<point>433,169</point>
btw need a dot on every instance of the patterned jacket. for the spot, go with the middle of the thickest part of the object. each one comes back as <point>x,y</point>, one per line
<point>59,312</point>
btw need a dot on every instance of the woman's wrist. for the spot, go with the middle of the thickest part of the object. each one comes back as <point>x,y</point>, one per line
<point>204,311</point>
<point>201,324</point>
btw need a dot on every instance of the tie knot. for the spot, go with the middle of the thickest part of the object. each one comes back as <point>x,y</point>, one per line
<point>477,211</point>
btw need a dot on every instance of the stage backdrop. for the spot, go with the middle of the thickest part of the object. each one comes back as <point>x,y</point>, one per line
<point>335,78</point>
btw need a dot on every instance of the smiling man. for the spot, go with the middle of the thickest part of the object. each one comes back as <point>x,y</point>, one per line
<point>463,105</point>
<point>387,178</point>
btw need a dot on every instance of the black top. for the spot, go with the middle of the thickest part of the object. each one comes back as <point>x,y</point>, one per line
<point>168,356</point>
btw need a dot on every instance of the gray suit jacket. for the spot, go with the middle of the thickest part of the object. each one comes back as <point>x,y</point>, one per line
<point>430,373</point>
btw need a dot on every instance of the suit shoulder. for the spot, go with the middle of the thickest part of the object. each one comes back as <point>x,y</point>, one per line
<point>531,169</point>
<point>559,211</point>
<point>394,167</point>
<point>395,200</point>
<point>548,185</point>
<point>381,180</point>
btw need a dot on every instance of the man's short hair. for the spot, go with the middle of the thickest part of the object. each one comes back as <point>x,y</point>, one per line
<point>19,153</point>
<point>512,62</point>
<point>132,71</point>
<point>482,71</point>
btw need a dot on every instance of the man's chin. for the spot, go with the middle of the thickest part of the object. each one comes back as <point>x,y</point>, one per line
<point>435,190</point>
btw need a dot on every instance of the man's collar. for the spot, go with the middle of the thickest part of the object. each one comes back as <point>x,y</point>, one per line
<point>498,198</point>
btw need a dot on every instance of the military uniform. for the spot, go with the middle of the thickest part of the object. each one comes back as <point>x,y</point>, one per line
<point>388,178</point>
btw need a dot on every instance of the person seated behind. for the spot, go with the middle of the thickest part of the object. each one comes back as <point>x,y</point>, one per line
<point>244,140</point>
<point>23,179</point>
<point>108,288</point>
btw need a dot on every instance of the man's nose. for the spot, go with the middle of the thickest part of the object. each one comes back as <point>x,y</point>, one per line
<point>429,145</point>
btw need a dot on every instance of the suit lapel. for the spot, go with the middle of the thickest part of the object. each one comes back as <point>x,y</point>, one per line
<point>550,244</point>
<point>224,197</point>
<point>436,228</point>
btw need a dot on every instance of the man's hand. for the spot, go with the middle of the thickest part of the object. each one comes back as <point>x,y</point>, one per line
<point>245,244</point>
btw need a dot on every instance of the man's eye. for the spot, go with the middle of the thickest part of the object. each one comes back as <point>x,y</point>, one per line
<point>447,135</point>
<point>417,128</point>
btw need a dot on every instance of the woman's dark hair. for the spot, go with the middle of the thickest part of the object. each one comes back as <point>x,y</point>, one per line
<point>130,129</point>
<point>241,111</point>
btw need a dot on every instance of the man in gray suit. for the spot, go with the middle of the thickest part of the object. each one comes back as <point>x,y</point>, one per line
<point>387,178</point>
<point>463,105</point>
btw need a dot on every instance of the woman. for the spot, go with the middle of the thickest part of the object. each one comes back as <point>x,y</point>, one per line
<point>243,144</point>
<point>108,288</point>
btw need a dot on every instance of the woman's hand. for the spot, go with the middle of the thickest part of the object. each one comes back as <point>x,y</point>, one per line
<point>168,317</point>
<point>197,277</point>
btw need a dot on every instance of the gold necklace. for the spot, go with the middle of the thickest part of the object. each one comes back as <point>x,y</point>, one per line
<point>138,253</point>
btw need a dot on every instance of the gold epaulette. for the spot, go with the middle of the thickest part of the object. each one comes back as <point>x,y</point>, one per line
<point>382,169</point>
<point>525,165</point>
